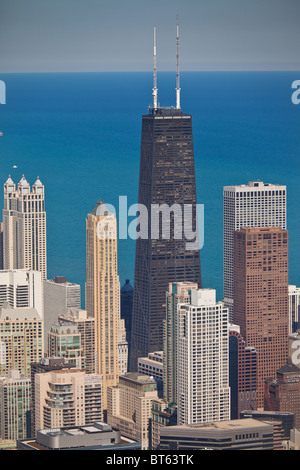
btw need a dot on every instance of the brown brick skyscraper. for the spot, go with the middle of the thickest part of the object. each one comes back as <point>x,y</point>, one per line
<point>261,296</point>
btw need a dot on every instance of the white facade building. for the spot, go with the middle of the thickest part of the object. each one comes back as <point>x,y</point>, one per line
<point>257,204</point>
<point>24,226</point>
<point>22,288</point>
<point>203,393</point>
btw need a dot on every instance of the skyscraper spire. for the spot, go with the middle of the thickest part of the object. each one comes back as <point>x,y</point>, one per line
<point>177,72</point>
<point>154,72</point>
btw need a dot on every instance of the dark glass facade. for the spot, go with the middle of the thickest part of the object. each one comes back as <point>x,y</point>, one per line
<point>242,376</point>
<point>126,309</point>
<point>167,176</point>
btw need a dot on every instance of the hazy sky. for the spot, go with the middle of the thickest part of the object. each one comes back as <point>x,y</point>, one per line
<point>117,35</point>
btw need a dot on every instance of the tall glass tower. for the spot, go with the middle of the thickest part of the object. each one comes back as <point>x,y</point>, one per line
<point>167,189</point>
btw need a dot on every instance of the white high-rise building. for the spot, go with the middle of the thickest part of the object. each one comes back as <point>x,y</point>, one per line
<point>294,309</point>
<point>24,226</point>
<point>22,288</point>
<point>203,393</point>
<point>257,204</point>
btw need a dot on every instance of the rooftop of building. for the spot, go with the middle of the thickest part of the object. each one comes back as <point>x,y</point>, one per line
<point>53,363</point>
<point>289,368</point>
<point>254,185</point>
<point>61,280</point>
<point>267,413</point>
<point>165,111</point>
<point>224,425</point>
<point>100,209</point>
<point>136,377</point>
<point>21,313</point>
<point>97,427</point>
<point>92,430</point>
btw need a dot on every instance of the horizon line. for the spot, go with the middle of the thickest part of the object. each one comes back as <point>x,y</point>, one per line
<point>150,71</point>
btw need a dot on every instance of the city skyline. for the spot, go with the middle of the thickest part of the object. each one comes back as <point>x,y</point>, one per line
<point>202,161</point>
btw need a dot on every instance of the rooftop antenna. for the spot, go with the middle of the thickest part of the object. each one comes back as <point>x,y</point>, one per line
<point>177,72</point>
<point>154,72</point>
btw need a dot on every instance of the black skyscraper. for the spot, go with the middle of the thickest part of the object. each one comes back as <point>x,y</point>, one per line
<point>167,176</point>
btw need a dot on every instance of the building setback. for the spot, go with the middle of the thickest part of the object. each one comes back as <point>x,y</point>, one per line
<point>261,297</point>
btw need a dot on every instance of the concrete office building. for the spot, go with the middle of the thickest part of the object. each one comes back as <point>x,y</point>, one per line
<point>129,406</point>
<point>257,204</point>
<point>59,296</point>
<point>261,297</point>
<point>287,419</point>
<point>152,365</point>
<point>240,434</point>
<point>203,359</point>
<point>24,226</point>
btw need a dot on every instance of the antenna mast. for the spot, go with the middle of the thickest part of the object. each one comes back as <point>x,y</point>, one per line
<point>154,73</point>
<point>177,72</point>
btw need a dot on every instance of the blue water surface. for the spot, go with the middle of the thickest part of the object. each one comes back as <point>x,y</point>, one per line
<point>80,133</point>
